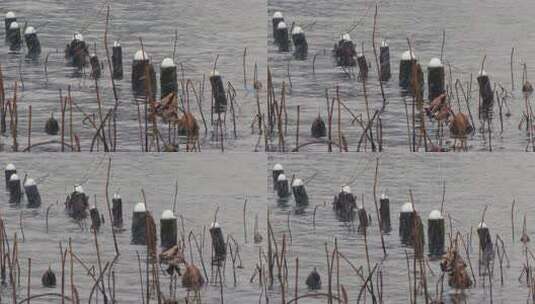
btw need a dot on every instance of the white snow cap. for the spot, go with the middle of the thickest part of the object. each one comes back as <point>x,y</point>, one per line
<point>483,73</point>
<point>298,182</point>
<point>30,30</point>
<point>482,225</point>
<point>406,208</point>
<point>360,55</point>
<point>277,15</point>
<point>346,37</point>
<point>140,55</point>
<point>10,167</point>
<point>168,215</point>
<point>297,30</point>
<point>168,63</point>
<point>116,44</point>
<point>140,207</point>
<point>282,25</point>
<point>281,178</point>
<point>384,196</point>
<point>214,73</point>
<point>29,182</point>
<point>14,25</point>
<point>78,36</point>
<point>407,55</point>
<point>346,189</point>
<point>14,177</point>
<point>384,43</point>
<point>116,196</point>
<point>278,167</point>
<point>10,15</point>
<point>435,63</point>
<point>215,225</point>
<point>435,215</point>
<point>78,188</point>
<point>92,207</point>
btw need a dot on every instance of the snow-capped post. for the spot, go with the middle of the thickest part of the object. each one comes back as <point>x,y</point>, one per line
<point>168,230</point>
<point>96,70</point>
<point>299,192</point>
<point>218,91</point>
<point>140,83</point>
<point>384,61</point>
<point>117,60</point>
<point>384,213</point>
<point>117,210</point>
<point>300,43</point>
<point>9,18</point>
<point>32,42</point>
<point>283,37</point>
<point>219,249</point>
<point>139,224</point>
<point>406,223</point>
<point>435,78</point>
<point>14,37</point>
<point>282,186</point>
<point>275,172</point>
<point>8,171</point>
<point>15,191</point>
<point>345,52</point>
<point>32,193</point>
<point>275,20</point>
<point>168,78</point>
<point>77,52</point>
<point>345,204</point>
<point>435,233</point>
<point>77,203</point>
<point>405,69</point>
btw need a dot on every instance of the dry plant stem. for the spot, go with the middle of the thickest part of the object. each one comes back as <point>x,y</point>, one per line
<point>377,58</point>
<point>375,181</point>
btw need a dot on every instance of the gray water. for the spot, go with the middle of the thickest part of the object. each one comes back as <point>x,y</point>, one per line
<point>473,29</point>
<point>472,182</point>
<point>204,182</point>
<point>205,28</point>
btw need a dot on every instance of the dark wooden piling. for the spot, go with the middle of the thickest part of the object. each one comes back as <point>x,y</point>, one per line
<point>139,224</point>
<point>435,78</point>
<point>384,212</point>
<point>32,43</point>
<point>384,61</point>
<point>96,70</point>
<point>168,78</point>
<point>275,172</point>
<point>283,39</point>
<point>14,187</point>
<point>275,20</point>
<point>318,128</point>
<point>299,192</point>
<point>345,204</point>
<point>300,43</point>
<point>117,211</point>
<point>168,230</point>
<point>117,61</point>
<point>9,170</point>
<point>219,248</point>
<point>32,193</point>
<point>282,188</point>
<point>487,96</point>
<point>14,37</point>
<point>218,91</point>
<point>435,233</point>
